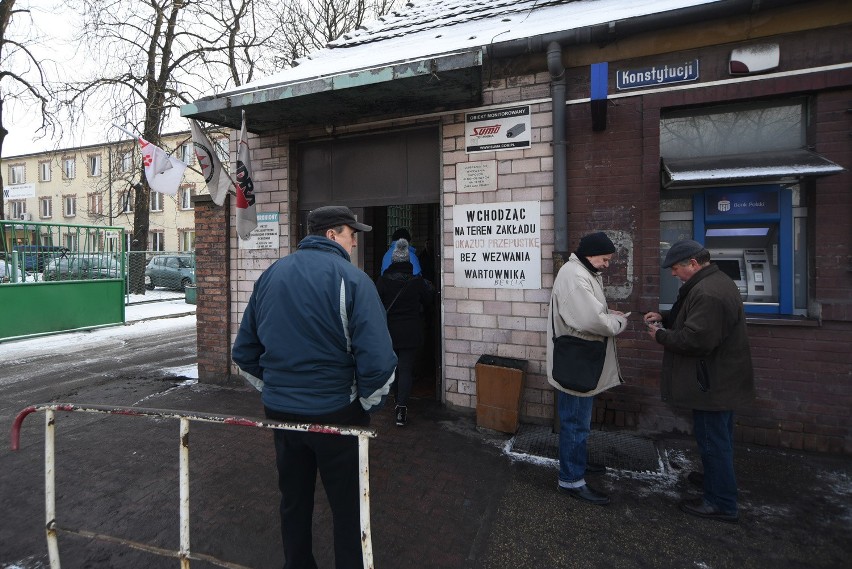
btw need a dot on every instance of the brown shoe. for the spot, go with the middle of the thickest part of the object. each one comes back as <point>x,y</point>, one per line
<point>702,509</point>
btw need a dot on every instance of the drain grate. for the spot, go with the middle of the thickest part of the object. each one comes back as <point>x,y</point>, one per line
<point>621,451</point>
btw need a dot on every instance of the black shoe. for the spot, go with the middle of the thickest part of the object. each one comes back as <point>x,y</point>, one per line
<point>593,468</point>
<point>702,509</point>
<point>586,494</point>
<point>696,479</point>
<point>401,415</point>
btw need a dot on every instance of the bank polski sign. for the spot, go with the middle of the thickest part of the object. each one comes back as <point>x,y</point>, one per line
<point>497,245</point>
<point>657,75</point>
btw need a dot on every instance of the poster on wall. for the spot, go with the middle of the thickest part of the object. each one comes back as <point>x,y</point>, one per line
<point>497,245</point>
<point>265,235</point>
<point>500,129</point>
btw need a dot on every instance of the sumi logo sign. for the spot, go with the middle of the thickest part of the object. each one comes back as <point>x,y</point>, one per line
<point>502,129</point>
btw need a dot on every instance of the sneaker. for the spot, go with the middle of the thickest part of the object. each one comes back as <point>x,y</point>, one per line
<point>401,415</point>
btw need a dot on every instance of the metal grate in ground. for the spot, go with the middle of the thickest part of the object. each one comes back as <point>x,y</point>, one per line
<point>618,450</point>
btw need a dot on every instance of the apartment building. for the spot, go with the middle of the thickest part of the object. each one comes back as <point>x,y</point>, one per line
<point>94,185</point>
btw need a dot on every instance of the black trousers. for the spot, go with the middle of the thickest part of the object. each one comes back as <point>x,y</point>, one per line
<point>299,455</point>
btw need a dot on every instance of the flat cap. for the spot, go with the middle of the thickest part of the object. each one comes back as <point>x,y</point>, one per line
<point>332,216</point>
<point>681,251</point>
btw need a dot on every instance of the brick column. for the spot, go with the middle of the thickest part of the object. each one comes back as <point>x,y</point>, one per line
<point>212,255</point>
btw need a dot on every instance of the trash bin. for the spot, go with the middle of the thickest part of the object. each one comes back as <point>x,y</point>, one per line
<point>499,384</point>
<point>190,292</point>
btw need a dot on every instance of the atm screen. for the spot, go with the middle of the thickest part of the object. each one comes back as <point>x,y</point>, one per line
<point>730,267</point>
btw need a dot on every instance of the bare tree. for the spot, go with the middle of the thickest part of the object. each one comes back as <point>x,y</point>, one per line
<point>22,77</point>
<point>310,25</point>
<point>151,56</point>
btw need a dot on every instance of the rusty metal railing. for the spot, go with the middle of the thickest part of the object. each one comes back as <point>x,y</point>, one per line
<point>183,554</point>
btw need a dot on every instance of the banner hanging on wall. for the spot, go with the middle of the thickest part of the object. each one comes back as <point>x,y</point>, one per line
<point>497,245</point>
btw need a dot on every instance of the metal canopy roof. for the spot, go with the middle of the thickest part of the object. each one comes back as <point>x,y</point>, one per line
<point>432,84</point>
<point>745,168</point>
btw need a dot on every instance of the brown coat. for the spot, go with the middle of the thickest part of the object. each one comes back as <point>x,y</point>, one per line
<point>707,339</point>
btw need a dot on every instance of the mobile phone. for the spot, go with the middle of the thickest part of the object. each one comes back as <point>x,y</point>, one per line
<point>627,314</point>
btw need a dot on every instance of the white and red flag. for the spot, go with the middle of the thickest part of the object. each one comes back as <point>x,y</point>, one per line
<point>216,178</point>
<point>246,210</point>
<point>163,172</point>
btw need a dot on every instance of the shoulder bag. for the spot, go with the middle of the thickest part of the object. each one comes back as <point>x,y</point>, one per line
<point>577,363</point>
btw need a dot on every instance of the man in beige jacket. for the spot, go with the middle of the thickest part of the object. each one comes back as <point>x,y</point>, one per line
<point>578,308</point>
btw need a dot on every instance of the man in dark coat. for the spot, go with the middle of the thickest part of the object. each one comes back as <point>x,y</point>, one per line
<point>707,368</point>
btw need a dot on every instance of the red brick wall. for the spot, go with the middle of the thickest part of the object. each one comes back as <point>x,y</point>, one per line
<point>803,373</point>
<point>212,253</point>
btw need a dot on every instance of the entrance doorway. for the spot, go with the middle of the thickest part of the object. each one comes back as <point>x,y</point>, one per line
<point>423,223</point>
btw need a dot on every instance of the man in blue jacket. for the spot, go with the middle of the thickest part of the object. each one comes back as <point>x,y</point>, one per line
<point>314,340</point>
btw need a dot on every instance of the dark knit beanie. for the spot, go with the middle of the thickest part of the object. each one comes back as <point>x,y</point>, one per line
<point>401,233</point>
<point>400,251</point>
<point>595,244</point>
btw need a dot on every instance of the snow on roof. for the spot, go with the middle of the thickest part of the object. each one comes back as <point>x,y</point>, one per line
<point>427,28</point>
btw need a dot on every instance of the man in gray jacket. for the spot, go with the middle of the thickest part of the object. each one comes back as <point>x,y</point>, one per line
<point>315,341</point>
<point>707,368</point>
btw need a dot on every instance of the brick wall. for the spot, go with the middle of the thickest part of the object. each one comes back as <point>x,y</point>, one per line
<point>212,250</point>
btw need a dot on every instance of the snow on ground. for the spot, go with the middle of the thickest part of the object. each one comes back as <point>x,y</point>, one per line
<point>142,320</point>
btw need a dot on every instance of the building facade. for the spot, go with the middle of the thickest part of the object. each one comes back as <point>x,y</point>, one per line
<point>707,120</point>
<point>94,185</point>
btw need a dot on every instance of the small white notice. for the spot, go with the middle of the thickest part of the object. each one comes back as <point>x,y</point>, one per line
<point>476,176</point>
<point>265,235</point>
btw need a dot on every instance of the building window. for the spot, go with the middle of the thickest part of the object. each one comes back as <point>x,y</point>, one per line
<point>127,162</point>
<point>156,201</point>
<point>127,202</point>
<point>187,240</point>
<point>186,197</point>
<point>156,241</point>
<point>96,204</point>
<point>17,209</point>
<point>95,165</point>
<point>186,153</point>
<point>69,168</point>
<point>45,207</point>
<point>70,203</point>
<point>44,171</point>
<point>17,174</point>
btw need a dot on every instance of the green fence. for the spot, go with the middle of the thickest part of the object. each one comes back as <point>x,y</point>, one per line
<point>57,277</point>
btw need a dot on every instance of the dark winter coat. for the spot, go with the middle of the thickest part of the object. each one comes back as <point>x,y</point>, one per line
<point>314,332</point>
<point>707,360</point>
<point>405,323</point>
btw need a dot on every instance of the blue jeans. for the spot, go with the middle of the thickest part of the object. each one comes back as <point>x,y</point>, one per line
<point>714,432</point>
<point>575,420</point>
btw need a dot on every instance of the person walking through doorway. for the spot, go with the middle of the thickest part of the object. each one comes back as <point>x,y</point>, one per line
<point>405,296</point>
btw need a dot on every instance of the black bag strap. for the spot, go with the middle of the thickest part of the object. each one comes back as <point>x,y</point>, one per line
<point>387,310</point>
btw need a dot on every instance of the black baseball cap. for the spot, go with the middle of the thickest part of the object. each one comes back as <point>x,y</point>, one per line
<point>683,250</point>
<point>332,216</point>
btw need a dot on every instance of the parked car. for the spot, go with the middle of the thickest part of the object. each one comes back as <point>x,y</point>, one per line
<point>33,258</point>
<point>170,271</point>
<point>82,267</point>
<point>6,272</point>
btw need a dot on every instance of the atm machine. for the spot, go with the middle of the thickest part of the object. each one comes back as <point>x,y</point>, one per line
<point>748,231</point>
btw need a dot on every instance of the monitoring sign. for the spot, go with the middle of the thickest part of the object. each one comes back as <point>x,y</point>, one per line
<point>501,129</point>
<point>497,245</point>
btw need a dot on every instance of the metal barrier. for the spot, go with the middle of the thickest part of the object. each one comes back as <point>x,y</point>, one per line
<point>183,554</point>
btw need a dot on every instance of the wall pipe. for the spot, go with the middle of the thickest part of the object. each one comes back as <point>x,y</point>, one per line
<point>560,151</point>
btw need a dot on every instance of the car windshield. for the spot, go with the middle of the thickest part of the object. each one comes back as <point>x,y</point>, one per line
<point>186,262</point>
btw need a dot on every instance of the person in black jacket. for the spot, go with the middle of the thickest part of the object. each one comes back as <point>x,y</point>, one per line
<point>403,295</point>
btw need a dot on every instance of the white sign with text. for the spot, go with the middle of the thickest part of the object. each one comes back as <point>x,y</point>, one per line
<point>265,235</point>
<point>497,245</point>
<point>476,176</point>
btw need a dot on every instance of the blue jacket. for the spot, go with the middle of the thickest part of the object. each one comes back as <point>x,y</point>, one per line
<point>314,332</point>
